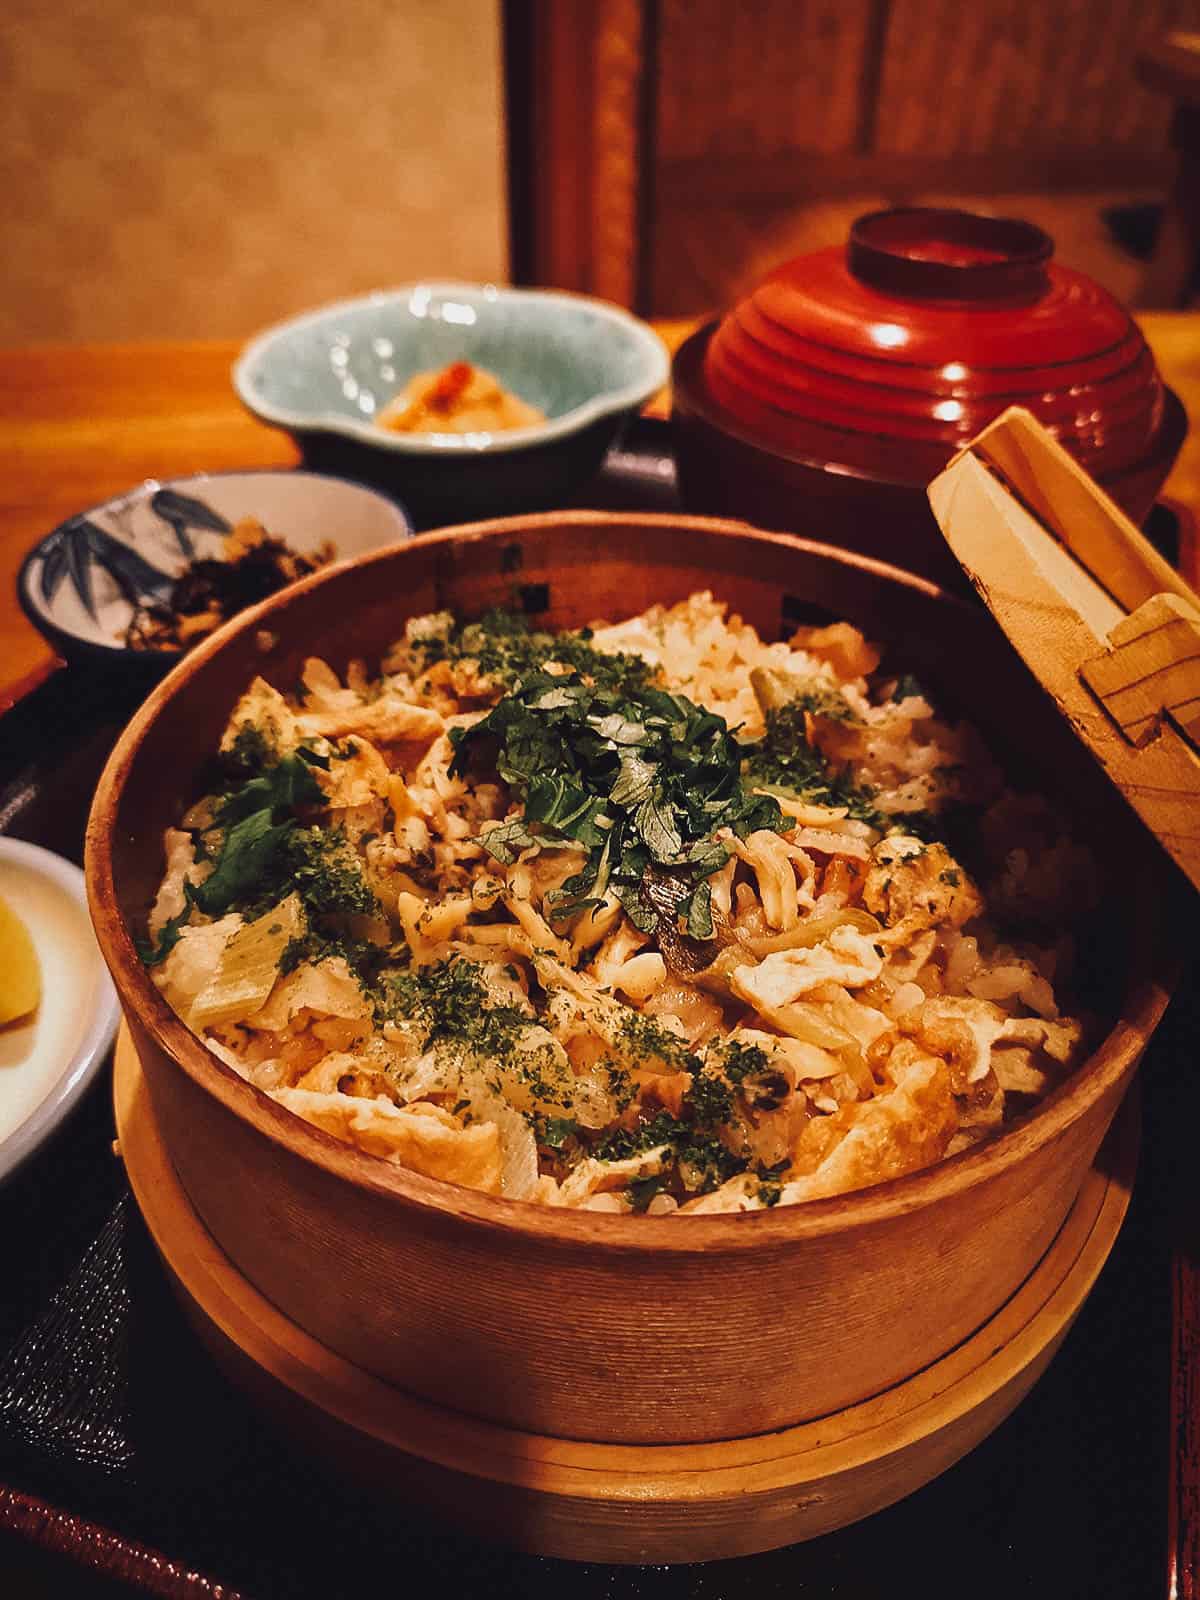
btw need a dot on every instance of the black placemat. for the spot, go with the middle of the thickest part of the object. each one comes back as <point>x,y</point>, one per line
<point>112,1416</point>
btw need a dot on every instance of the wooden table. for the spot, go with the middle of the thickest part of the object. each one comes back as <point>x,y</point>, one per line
<point>79,423</point>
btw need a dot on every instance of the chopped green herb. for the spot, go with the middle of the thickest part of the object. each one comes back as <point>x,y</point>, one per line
<point>506,842</point>
<point>553,1132</point>
<point>250,752</point>
<point>644,1039</point>
<point>739,1061</point>
<point>365,960</point>
<point>284,786</point>
<point>152,951</point>
<point>505,648</point>
<point>907,686</point>
<point>636,776</point>
<point>642,1190</point>
<point>265,851</point>
<point>785,760</point>
<point>449,1000</point>
<point>699,921</point>
<point>699,1160</point>
<point>251,853</point>
<point>770,1188</point>
<point>827,703</point>
<point>710,1100</point>
<point>323,867</point>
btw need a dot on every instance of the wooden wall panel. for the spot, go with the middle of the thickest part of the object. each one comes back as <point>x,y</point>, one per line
<point>1006,75</point>
<point>760,76</point>
<point>663,151</point>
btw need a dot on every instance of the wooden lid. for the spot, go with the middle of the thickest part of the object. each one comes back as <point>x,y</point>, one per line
<point>1108,627</point>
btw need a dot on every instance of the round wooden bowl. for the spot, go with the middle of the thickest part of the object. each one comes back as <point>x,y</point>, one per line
<point>605,1502</point>
<point>577,1324</point>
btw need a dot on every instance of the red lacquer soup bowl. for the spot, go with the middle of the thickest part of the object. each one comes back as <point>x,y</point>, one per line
<point>849,377</point>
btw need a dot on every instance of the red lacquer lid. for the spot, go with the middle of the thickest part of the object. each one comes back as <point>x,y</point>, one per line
<point>884,356</point>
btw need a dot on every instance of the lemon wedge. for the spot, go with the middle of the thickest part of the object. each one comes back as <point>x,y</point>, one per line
<point>20,975</point>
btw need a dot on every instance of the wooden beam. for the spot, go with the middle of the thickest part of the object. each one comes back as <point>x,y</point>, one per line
<point>793,176</point>
<point>577,111</point>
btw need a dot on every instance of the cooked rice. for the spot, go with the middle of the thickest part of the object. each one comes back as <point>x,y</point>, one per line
<point>849,1013</point>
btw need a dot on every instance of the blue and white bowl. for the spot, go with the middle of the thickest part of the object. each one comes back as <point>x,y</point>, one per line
<point>325,376</point>
<point>78,585</point>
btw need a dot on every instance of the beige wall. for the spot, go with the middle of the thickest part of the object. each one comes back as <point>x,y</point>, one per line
<point>198,168</point>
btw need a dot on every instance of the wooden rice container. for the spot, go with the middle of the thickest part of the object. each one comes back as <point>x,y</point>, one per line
<point>575,1324</point>
<point>619,1502</point>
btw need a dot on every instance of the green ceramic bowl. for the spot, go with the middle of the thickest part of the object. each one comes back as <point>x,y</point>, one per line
<point>324,377</point>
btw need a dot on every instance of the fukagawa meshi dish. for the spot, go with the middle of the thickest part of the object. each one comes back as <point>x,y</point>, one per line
<point>653,917</point>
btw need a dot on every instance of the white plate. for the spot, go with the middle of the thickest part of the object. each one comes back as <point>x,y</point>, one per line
<point>48,1060</point>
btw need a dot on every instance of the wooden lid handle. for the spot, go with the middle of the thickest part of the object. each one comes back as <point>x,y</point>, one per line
<point>1056,489</point>
<point>1107,626</point>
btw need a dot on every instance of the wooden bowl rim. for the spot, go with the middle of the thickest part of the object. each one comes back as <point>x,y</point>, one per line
<point>1142,1006</point>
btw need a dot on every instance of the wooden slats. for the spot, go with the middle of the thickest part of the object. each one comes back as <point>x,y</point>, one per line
<point>1152,670</point>
<point>762,76</point>
<point>1004,75</point>
<point>1076,510</point>
<point>943,80</point>
<point>1135,705</point>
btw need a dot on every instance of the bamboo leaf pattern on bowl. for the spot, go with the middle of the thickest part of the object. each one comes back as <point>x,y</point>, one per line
<point>89,580</point>
<point>181,512</point>
<point>54,565</point>
<point>79,547</point>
